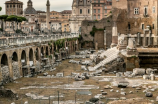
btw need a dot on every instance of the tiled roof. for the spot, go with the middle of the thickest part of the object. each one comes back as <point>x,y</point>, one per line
<point>66,12</point>
<point>8,2</point>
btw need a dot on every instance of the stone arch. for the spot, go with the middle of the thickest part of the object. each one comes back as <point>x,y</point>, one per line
<point>31,56</point>
<point>15,66</point>
<point>23,57</point>
<point>47,50</point>
<point>42,51</point>
<point>37,54</point>
<point>24,63</point>
<point>4,60</point>
<point>5,68</point>
<point>15,57</point>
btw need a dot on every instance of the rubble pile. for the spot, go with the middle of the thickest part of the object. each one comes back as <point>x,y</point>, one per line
<point>16,72</point>
<point>5,74</point>
<point>8,93</point>
<point>38,65</point>
<point>81,77</point>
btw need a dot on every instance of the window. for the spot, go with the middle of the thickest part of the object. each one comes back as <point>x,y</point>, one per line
<point>94,16</point>
<point>80,11</point>
<point>105,7</point>
<point>88,11</point>
<point>94,10</point>
<point>98,10</point>
<point>145,10</point>
<point>153,9</point>
<point>105,11</point>
<point>153,26</point>
<point>142,26</point>
<point>136,11</point>
<point>98,16</point>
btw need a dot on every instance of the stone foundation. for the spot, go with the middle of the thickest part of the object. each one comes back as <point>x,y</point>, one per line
<point>16,73</point>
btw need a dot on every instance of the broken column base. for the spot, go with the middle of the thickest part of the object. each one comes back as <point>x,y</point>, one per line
<point>121,47</point>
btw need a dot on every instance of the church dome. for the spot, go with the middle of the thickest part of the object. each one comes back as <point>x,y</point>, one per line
<point>30,10</point>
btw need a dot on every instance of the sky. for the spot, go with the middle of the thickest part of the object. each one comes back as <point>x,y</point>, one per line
<point>57,5</point>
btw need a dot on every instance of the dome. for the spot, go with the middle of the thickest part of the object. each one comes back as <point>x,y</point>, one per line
<point>30,10</point>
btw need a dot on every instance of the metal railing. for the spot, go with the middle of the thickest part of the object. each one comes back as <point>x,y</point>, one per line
<point>33,38</point>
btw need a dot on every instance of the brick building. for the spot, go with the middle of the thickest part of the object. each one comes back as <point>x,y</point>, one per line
<point>14,7</point>
<point>136,16</point>
<point>101,9</point>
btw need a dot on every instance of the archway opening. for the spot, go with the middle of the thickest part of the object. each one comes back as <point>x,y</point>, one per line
<point>5,69</point>
<point>23,58</point>
<point>15,66</point>
<point>47,51</point>
<point>15,57</point>
<point>4,60</point>
<point>31,57</point>
<point>42,52</point>
<point>24,63</point>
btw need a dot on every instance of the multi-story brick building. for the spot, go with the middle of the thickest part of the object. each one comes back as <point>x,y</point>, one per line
<point>100,9</point>
<point>61,16</point>
<point>14,7</point>
<point>136,16</point>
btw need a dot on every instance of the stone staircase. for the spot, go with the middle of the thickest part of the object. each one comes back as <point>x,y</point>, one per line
<point>111,54</point>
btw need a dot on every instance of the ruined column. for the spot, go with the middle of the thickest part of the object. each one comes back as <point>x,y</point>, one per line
<point>105,39</point>
<point>0,74</point>
<point>48,50</point>
<point>28,61</point>
<point>138,39</point>
<point>149,40</point>
<point>20,64</point>
<point>114,35</point>
<point>34,57</point>
<point>144,40</point>
<point>10,66</point>
<point>96,46</point>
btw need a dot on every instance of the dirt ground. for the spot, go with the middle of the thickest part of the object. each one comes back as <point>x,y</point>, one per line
<point>67,68</point>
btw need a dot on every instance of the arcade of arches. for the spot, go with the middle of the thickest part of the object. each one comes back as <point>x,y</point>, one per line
<point>26,60</point>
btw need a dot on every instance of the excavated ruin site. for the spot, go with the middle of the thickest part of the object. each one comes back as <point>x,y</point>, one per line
<point>84,77</point>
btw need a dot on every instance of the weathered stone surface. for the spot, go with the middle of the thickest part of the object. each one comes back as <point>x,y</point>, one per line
<point>16,72</point>
<point>104,93</point>
<point>146,77</point>
<point>149,71</point>
<point>123,93</point>
<point>139,71</point>
<point>157,98</point>
<point>149,94</point>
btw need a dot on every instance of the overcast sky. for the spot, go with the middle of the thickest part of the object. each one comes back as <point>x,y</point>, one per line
<point>57,5</point>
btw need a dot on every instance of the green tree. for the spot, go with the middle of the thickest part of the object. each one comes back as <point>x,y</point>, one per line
<point>0,8</point>
<point>18,19</point>
<point>3,19</point>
